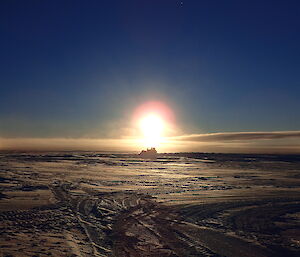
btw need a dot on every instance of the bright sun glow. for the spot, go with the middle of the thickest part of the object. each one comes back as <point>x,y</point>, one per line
<point>152,127</point>
<point>153,123</point>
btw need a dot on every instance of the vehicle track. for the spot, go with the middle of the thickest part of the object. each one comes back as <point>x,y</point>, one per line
<point>128,224</point>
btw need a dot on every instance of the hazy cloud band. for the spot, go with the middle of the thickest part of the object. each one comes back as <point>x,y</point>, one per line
<point>239,142</point>
<point>232,136</point>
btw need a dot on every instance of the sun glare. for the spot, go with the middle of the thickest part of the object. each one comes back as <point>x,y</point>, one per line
<point>152,127</point>
<point>154,122</point>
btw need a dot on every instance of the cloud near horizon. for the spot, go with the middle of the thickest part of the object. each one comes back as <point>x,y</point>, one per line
<point>233,136</point>
<point>239,142</point>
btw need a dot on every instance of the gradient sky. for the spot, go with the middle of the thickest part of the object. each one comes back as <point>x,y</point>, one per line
<point>73,69</point>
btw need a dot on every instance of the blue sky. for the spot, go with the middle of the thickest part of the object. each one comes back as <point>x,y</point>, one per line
<point>76,68</point>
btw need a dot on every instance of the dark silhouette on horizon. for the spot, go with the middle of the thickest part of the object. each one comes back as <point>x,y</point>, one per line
<point>150,153</point>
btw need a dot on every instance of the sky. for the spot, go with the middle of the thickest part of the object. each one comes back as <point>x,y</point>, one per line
<point>72,73</point>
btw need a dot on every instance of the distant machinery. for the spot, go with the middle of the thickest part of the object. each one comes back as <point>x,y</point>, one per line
<point>150,153</point>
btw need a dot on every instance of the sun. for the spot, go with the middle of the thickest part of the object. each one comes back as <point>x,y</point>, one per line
<point>153,122</point>
<point>152,127</point>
